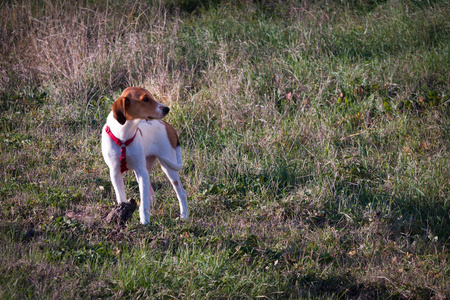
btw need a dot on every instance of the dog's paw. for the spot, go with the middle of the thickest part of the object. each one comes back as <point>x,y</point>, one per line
<point>182,218</point>
<point>144,217</point>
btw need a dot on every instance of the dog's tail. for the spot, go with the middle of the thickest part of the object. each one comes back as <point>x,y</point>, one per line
<point>174,166</point>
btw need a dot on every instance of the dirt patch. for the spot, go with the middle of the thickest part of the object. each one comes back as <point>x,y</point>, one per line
<point>80,215</point>
<point>89,215</point>
<point>121,213</point>
<point>119,216</point>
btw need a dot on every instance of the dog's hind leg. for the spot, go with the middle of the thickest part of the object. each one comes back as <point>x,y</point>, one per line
<point>174,178</point>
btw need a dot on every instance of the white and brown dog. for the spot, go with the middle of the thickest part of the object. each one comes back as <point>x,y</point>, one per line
<point>133,137</point>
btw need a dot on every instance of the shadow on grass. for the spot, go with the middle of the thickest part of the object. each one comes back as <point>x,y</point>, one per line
<point>408,216</point>
<point>422,216</point>
<point>345,287</point>
<point>272,182</point>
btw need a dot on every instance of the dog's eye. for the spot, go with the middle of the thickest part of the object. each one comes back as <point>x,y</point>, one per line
<point>145,99</point>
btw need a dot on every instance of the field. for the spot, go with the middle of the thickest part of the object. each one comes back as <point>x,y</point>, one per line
<point>315,139</point>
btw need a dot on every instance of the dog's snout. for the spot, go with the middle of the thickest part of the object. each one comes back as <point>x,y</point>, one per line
<point>165,110</point>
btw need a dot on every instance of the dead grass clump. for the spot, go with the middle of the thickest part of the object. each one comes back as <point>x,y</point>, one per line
<point>82,53</point>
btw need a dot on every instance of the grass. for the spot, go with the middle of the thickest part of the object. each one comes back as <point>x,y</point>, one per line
<point>315,142</point>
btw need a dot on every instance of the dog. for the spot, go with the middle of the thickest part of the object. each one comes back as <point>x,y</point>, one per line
<point>133,137</point>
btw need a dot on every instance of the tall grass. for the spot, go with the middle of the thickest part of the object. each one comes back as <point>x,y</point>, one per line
<point>315,141</point>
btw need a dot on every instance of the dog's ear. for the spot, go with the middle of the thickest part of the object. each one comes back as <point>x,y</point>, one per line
<point>119,109</point>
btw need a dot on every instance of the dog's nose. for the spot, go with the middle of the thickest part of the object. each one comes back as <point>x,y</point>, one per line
<point>166,110</point>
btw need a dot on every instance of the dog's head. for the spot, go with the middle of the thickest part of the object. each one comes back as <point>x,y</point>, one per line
<point>137,103</point>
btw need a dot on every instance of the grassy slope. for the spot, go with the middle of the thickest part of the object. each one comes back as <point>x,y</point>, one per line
<point>315,141</point>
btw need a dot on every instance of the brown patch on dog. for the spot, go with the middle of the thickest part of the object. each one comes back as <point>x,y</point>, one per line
<point>137,93</point>
<point>142,110</point>
<point>172,134</point>
<point>150,161</point>
<point>119,109</point>
<point>136,103</point>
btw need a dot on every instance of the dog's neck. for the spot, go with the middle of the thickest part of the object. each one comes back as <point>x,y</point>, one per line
<point>122,132</point>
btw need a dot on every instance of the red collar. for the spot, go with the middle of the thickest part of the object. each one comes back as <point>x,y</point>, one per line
<point>123,148</point>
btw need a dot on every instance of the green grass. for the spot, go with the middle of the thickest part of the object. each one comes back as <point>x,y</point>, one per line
<point>315,140</point>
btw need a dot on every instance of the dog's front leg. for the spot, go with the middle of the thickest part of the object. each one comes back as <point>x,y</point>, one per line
<point>144,188</point>
<point>119,186</point>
